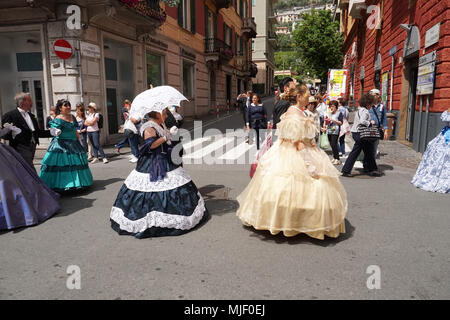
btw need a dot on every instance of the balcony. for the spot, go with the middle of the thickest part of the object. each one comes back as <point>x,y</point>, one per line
<point>146,15</point>
<point>217,51</point>
<point>222,4</point>
<point>355,8</point>
<point>250,69</point>
<point>249,28</point>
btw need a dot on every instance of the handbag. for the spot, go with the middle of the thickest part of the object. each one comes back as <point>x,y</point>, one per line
<point>368,133</point>
<point>121,129</point>
<point>324,142</point>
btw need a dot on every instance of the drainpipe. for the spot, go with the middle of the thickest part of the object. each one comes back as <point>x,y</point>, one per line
<point>392,83</point>
<point>80,69</point>
<point>427,116</point>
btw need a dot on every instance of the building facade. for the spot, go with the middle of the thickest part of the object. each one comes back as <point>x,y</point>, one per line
<point>120,48</point>
<point>401,47</point>
<point>263,46</point>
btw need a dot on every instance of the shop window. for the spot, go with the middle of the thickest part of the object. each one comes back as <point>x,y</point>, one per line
<point>29,61</point>
<point>155,70</point>
<point>188,79</point>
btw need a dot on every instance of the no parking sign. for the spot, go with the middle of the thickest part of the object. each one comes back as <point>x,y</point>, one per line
<point>62,49</point>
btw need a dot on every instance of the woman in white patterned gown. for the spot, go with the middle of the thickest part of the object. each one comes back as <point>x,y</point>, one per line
<point>433,173</point>
<point>158,198</point>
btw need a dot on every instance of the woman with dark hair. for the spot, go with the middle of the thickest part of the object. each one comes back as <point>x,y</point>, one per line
<point>256,119</point>
<point>81,128</point>
<point>158,198</point>
<point>295,188</point>
<point>332,126</point>
<point>65,165</point>
<point>362,119</point>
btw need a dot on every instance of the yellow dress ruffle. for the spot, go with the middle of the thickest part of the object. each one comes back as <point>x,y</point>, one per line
<point>283,196</point>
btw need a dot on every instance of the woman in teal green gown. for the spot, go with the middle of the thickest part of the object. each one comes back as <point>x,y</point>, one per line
<point>65,165</point>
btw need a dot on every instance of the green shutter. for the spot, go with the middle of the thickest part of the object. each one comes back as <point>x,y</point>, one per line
<point>193,16</point>
<point>180,13</point>
<point>235,44</point>
<point>207,35</point>
<point>215,25</point>
<point>224,32</point>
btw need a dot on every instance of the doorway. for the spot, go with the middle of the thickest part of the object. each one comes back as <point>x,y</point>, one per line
<point>228,88</point>
<point>411,107</point>
<point>33,86</point>
<point>111,105</point>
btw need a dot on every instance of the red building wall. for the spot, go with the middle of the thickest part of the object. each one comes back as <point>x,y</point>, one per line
<point>424,14</point>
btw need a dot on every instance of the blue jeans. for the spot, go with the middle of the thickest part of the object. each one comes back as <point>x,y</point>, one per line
<point>134,144</point>
<point>342,144</point>
<point>122,143</point>
<point>94,138</point>
<point>83,138</point>
<point>369,160</point>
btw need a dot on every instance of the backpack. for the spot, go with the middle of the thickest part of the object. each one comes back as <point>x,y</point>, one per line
<point>100,121</point>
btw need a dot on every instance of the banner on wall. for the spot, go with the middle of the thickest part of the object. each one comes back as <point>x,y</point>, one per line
<point>337,79</point>
<point>384,87</point>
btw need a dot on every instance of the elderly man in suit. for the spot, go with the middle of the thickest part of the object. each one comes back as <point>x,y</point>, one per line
<point>25,142</point>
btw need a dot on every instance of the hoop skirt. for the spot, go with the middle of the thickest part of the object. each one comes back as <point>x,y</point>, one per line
<point>25,200</point>
<point>433,173</point>
<point>65,165</point>
<point>295,191</point>
<point>158,198</point>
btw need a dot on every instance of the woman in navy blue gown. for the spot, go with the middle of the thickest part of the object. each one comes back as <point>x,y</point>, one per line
<point>158,198</point>
<point>25,200</point>
<point>256,119</point>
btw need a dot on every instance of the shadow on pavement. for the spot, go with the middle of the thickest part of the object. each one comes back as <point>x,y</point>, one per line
<point>265,235</point>
<point>217,199</point>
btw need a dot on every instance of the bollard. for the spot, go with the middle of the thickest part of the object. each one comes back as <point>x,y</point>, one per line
<point>218,111</point>
<point>228,106</point>
<point>236,106</point>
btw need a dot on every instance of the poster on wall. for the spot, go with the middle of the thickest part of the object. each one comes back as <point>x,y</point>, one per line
<point>384,87</point>
<point>337,79</point>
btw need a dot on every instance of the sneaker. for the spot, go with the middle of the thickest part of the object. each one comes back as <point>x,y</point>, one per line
<point>94,160</point>
<point>375,173</point>
<point>105,160</point>
<point>133,159</point>
<point>117,150</point>
<point>337,161</point>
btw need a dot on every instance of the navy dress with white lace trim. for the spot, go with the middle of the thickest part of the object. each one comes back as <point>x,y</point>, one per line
<point>158,198</point>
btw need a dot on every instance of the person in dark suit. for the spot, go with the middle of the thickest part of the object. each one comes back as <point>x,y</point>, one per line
<point>24,143</point>
<point>281,105</point>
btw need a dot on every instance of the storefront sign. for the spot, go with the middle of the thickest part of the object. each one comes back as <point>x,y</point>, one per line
<point>336,83</point>
<point>432,35</point>
<point>426,74</point>
<point>90,50</point>
<point>384,87</point>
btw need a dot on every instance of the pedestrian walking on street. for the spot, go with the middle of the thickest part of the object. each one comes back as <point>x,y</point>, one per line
<point>362,119</point>
<point>433,173</point>
<point>25,199</point>
<point>81,127</point>
<point>158,198</point>
<point>295,189</point>
<point>332,128</point>
<point>256,120</point>
<point>131,132</point>
<point>123,118</point>
<point>65,165</point>
<point>93,129</point>
<point>378,115</point>
<point>345,127</point>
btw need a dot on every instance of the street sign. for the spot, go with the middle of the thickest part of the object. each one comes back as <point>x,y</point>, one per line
<point>393,50</point>
<point>432,35</point>
<point>62,49</point>
<point>426,74</point>
<point>90,50</point>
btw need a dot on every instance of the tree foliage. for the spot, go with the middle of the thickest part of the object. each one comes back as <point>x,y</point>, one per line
<point>318,43</point>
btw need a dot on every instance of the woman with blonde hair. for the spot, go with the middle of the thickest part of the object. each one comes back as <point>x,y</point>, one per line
<point>295,189</point>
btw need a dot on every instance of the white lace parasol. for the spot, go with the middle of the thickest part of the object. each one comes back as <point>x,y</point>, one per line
<point>155,99</point>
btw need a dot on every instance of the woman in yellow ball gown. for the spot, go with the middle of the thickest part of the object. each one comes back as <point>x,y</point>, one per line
<point>296,188</point>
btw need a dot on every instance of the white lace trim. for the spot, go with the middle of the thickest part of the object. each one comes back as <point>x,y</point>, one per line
<point>138,181</point>
<point>159,219</point>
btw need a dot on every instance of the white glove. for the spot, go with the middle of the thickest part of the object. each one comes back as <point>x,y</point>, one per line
<point>9,127</point>
<point>312,170</point>
<point>173,131</point>
<point>15,131</point>
<point>55,132</point>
